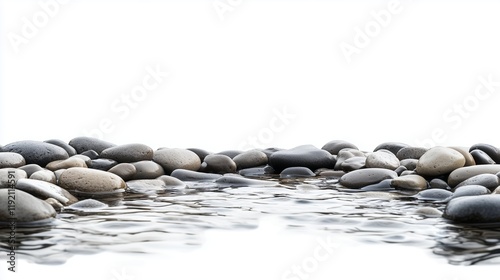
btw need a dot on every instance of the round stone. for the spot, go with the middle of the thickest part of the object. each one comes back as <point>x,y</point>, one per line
<point>36,152</point>
<point>410,182</point>
<point>481,157</point>
<point>189,175</point>
<point>128,153</point>
<point>461,174</point>
<point>172,159</point>
<point>14,160</point>
<point>66,163</point>
<point>296,172</point>
<point>252,158</point>
<point>70,150</point>
<point>28,208</point>
<point>489,181</point>
<point>5,178</point>
<point>364,177</point>
<point>393,147</point>
<point>474,209</point>
<point>439,161</point>
<point>334,146</point>
<point>382,159</point>
<point>46,190</point>
<point>83,143</point>
<point>44,175</point>
<point>90,180</point>
<point>410,153</point>
<point>147,169</point>
<point>219,164</point>
<point>126,171</point>
<point>305,156</point>
<point>353,163</point>
<point>492,151</point>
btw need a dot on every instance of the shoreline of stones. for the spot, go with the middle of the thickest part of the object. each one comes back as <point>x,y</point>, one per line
<point>52,175</point>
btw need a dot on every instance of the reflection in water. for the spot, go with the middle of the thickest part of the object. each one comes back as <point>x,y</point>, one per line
<point>152,223</point>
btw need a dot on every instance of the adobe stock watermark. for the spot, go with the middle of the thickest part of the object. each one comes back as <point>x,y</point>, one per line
<point>363,36</point>
<point>454,116</point>
<point>223,7</point>
<point>126,102</point>
<point>31,26</point>
<point>265,136</point>
<point>324,249</point>
<point>11,210</point>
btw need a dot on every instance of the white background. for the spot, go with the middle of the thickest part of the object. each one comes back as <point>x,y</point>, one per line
<point>231,70</point>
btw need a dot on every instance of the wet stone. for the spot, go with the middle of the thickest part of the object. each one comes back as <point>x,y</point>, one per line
<point>219,164</point>
<point>66,163</point>
<point>28,207</point>
<point>88,204</point>
<point>461,174</point>
<point>296,172</point>
<point>410,164</point>
<point>383,186</point>
<point>364,177</point>
<point>437,183</point>
<point>147,169</point>
<point>346,154</point>
<point>434,195</point>
<point>91,154</point>
<point>474,209</point>
<point>46,190</point>
<point>189,175</point>
<point>470,190</point>
<point>489,181</point>
<point>304,156</point>
<point>481,157</point>
<point>410,182</point>
<point>492,151</point>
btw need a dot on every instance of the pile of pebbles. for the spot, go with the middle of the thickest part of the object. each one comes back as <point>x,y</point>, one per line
<point>50,176</point>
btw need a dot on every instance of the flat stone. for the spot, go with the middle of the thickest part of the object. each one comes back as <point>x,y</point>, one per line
<point>46,190</point>
<point>461,174</point>
<point>128,153</point>
<point>481,157</point>
<point>393,147</point>
<point>364,177</point>
<point>434,195</point>
<point>103,164</point>
<point>492,151</point>
<point>147,169</point>
<point>470,190</point>
<point>70,150</point>
<point>410,153</point>
<point>83,143</point>
<point>4,176</point>
<point>36,152</point>
<point>219,164</point>
<point>474,209</point>
<point>90,180</point>
<point>382,159</point>
<point>296,172</point>
<point>252,158</point>
<point>28,208</point>
<point>469,160</point>
<point>353,163</point>
<point>126,171</point>
<point>334,146</point>
<point>44,175</point>
<point>172,159</point>
<point>439,161</point>
<point>489,181</point>
<point>382,186</point>
<point>66,163</point>
<point>233,180</point>
<point>189,175</point>
<point>13,160</point>
<point>305,156</point>
<point>410,182</point>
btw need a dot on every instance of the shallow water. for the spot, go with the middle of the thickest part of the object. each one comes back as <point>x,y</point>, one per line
<point>178,219</point>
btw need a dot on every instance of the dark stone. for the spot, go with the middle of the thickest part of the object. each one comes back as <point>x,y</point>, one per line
<point>489,181</point>
<point>83,143</point>
<point>103,164</point>
<point>128,153</point>
<point>409,163</point>
<point>434,195</point>
<point>437,183</point>
<point>492,151</point>
<point>200,153</point>
<point>393,147</point>
<point>297,171</point>
<point>474,209</point>
<point>189,175</point>
<point>334,146</point>
<point>364,177</point>
<point>400,170</point>
<point>126,171</point>
<point>353,163</point>
<point>270,151</point>
<point>91,154</point>
<point>346,154</point>
<point>37,152</point>
<point>256,171</point>
<point>70,150</point>
<point>147,169</point>
<point>31,168</point>
<point>382,186</point>
<point>219,164</point>
<point>410,153</point>
<point>305,156</point>
<point>481,157</point>
<point>470,190</point>
<point>230,153</point>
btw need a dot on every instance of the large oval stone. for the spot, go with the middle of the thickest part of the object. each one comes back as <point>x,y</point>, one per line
<point>37,152</point>
<point>489,181</point>
<point>492,151</point>
<point>410,182</point>
<point>474,209</point>
<point>4,176</point>
<point>90,180</point>
<point>83,143</point>
<point>8,159</point>
<point>364,177</point>
<point>305,156</point>
<point>128,153</point>
<point>147,169</point>
<point>252,158</point>
<point>382,159</point>
<point>28,208</point>
<point>464,173</point>
<point>174,158</point>
<point>439,161</point>
<point>219,164</point>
